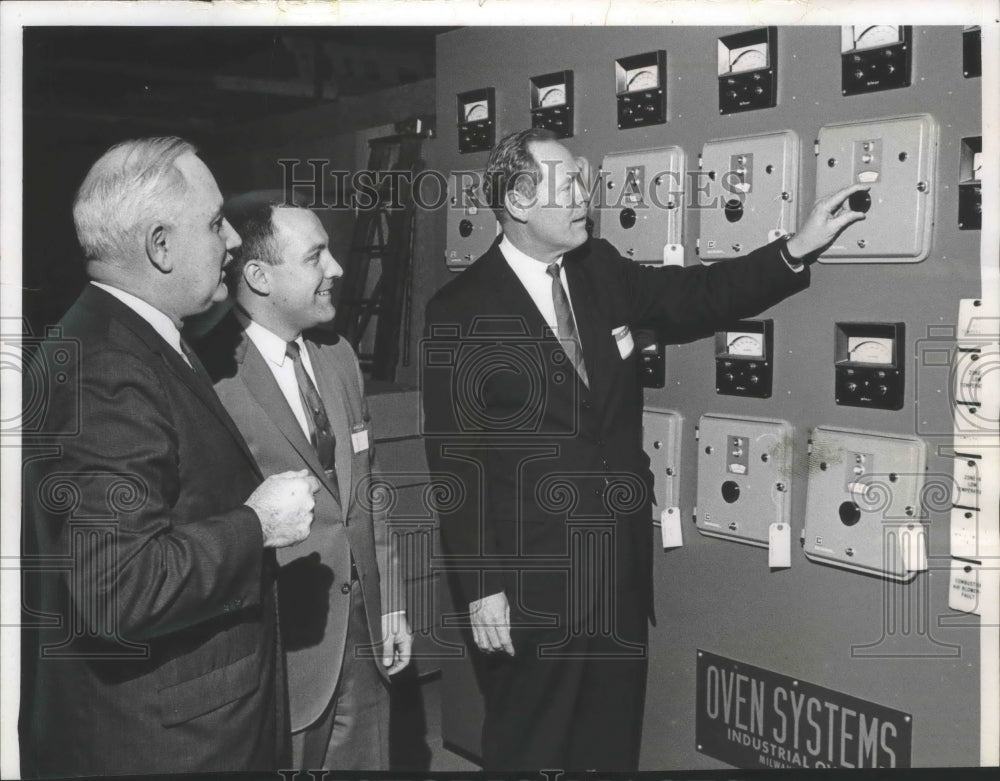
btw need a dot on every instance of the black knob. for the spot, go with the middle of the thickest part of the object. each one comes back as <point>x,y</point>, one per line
<point>465,229</point>
<point>860,202</point>
<point>627,218</point>
<point>730,491</point>
<point>734,210</point>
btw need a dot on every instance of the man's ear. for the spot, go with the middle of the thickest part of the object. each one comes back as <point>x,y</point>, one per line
<point>517,205</point>
<point>256,277</point>
<point>157,249</point>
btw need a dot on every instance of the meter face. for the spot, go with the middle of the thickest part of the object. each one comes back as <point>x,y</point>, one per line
<point>474,112</point>
<point>640,79</point>
<point>556,96</point>
<point>744,344</point>
<point>877,351</point>
<point>749,58</point>
<point>875,35</point>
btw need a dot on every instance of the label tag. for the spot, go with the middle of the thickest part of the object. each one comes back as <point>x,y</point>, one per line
<point>779,545</point>
<point>359,438</point>
<point>670,527</point>
<point>964,587</point>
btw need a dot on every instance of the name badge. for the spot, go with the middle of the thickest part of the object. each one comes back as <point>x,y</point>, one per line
<point>623,338</point>
<point>359,438</point>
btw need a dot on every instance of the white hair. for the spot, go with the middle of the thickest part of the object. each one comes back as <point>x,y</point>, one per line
<point>130,182</point>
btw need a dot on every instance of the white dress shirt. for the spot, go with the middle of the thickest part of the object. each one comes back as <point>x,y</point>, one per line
<point>159,322</point>
<point>272,347</point>
<point>537,282</point>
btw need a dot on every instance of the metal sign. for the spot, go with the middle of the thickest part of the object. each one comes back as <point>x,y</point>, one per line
<point>750,717</point>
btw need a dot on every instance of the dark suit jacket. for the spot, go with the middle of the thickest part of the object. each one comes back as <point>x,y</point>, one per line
<point>314,607</point>
<point>160,652</point>
<point>553,470</point>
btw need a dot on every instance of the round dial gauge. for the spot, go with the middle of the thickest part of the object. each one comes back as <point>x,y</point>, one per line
<point>877,351</point>
<point>555,96</point>
<point>640,79</point>
<point>876,35</point>
<point>749,345</point>
<point>748,60</point>
<point>474,112</point>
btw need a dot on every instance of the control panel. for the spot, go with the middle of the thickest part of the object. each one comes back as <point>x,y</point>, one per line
<point>551,102</point>
<point>642,204</point>
<point>897,159</point>
<point>753,186</point>
<point>870,365</point>
<point>875,57</point>
<point>744,359</point>
<point>661,440</point>
<point>472,226</point>
<point>748,70</point>
<point>476,120</point>
<point>641,89</point>
<point>744,477</point>
<point>863,509</point>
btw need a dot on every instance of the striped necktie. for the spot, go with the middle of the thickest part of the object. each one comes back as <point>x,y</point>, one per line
<point>566,324</point>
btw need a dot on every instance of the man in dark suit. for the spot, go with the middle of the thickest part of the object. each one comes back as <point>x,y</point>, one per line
<point>148,532</point>
<point>551,541</point>
<point>296,394</point>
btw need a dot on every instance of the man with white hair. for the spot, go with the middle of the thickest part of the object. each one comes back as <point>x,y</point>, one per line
<point>158,650</point>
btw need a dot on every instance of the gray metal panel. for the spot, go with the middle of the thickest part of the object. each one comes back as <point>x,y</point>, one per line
<point>803,621</point>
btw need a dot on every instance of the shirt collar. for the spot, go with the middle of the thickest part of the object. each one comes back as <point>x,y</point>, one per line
<point>159,322</point>
<point>522,263</point>
<point>270,345</point>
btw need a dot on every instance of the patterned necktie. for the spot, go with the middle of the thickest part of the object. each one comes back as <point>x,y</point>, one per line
<point>320,430</point>
<point>565,324</point>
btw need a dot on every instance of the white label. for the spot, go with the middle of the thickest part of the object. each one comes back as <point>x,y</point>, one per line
<point>913,547</point>
<point>779,545</point>
<point>359,439</point>
<point>964,587</point>
<point>670,527</point>
<point>673,254</point>
<point>623,338</point>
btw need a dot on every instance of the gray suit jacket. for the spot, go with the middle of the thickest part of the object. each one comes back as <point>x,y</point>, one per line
<point>316,573</point>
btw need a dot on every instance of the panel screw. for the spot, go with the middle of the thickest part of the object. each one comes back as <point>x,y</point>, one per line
<point>922,187</point>
<point>849,551</point>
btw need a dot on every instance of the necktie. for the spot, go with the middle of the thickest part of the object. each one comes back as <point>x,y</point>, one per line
<point>320,430</point>
<point>565,324</point>
<point>195,363</point>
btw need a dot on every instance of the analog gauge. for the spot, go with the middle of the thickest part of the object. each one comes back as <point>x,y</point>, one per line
<point>977,165</point>
<point>874,350</point>
<point>640,79</point>
<point>876,35</point>
<point>746,344</point>
<point>555,96</point>
<point>749,58</point>
<point>477,111</point>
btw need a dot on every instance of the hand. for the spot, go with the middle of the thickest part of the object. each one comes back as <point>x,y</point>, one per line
<point>284,504</point>
<point>825,222</point>
<point>491,623</point>
<point>397,640</point>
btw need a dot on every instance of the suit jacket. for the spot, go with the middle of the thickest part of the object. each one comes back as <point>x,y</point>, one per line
<point>155,646</point>
<point>554,472</point>
<point>316,573</point>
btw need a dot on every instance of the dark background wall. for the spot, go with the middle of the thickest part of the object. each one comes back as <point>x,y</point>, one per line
<point>717,595</point>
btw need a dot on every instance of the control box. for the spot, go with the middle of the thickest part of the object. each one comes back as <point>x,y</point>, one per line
<point>744,477</point>
<point>661,439</point>
<point>472,226</point>
<point>752,192</point>
<point>642,204</point>
<point>897,159</point>
<point>863,509</point>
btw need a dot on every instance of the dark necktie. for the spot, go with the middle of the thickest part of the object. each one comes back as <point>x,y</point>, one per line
<point>565,324</point>
<point>193,361</point>
<point>320,430</point>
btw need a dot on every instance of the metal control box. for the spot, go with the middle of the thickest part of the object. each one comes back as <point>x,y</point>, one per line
<point>661,439</point>
<point>641,203</point>
<point>897,159</point>
<point>752,193</point>
<point>863,509</point>
<point>744,477</point>
<point>472,226</point>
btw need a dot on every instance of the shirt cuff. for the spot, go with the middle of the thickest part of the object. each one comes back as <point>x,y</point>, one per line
<point>795,264</point>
